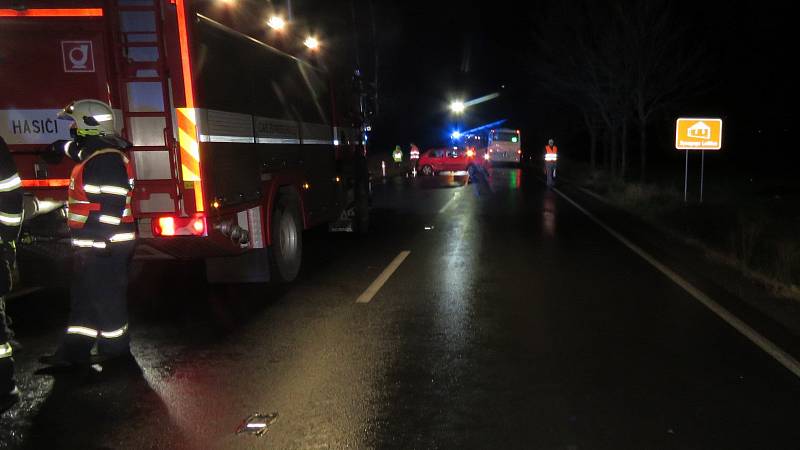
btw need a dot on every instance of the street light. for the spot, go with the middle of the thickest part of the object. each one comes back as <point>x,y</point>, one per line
<point>277,23</point>
<point>457,106</point>
<point>312,43</point>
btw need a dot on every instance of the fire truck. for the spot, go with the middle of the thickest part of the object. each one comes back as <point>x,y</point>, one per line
<point>237,146</point>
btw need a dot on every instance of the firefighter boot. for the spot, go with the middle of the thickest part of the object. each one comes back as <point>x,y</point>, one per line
<point>109,349</point>
<point>9,394</point>
<point>74,351</point>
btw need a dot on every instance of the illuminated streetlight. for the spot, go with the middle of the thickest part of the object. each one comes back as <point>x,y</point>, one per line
<point>277,23</point>
<point>457,106</point>
<point>311,42</point>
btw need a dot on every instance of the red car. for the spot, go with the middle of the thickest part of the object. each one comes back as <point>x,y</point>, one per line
<point>446,159</point>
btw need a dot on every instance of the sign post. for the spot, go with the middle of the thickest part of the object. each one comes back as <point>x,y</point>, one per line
<point>697,134</point>
<point>686,178</point>
<point>702,172</point>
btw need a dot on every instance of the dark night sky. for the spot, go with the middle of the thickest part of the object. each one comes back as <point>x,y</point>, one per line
<point>433,51</point>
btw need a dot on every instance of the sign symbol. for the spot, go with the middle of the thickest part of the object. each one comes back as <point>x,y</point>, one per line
<point>699,131</point>
<point>78,56</point>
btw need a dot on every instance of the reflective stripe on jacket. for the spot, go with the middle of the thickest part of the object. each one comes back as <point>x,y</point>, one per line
<point>81,205</point>
<point>10,196</point>
<point>551,153</point>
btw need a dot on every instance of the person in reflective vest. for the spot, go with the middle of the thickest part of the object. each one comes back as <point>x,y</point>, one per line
<point>413,152</point>
<point>10,222</point>
<point>550,162</point>
<point>102,233</point>
<point>397,155</point>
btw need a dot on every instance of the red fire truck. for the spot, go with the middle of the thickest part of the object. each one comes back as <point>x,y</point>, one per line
<point>237,147</point>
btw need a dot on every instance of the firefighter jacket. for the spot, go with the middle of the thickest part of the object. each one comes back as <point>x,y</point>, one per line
<point>551,153</point>
<point>10,196</point>
<point>100,192</point>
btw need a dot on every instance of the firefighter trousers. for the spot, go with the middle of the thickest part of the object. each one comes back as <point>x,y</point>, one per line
<point>6,360</point>
<point>98,303</point>
<point>6,353</point>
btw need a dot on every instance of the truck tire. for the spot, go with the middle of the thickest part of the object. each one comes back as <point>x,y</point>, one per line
<point>286,251</point>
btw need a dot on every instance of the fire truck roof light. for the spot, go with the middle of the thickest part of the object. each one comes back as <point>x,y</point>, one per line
<point>52,12</point>
<point>277,23</point>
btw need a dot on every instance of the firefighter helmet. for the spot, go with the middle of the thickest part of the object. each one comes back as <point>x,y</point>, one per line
<point>91,117</point>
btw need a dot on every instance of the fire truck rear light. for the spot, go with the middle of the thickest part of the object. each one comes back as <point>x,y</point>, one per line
<point>519,152</point>
<point>199,226</point>
<point>166,226</point>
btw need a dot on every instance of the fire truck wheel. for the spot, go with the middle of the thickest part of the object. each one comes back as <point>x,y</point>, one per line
<point>427,170</point>
<point>287,241</point>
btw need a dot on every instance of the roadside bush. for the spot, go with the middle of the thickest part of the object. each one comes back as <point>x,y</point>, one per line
<point>647,199</point>
<point>787,261</point>
<point>745,239</point>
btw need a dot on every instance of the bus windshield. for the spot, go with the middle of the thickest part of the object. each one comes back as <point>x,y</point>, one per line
<point>507,136</point>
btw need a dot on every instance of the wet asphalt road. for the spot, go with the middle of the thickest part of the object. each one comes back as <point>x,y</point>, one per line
<point>515,322</point>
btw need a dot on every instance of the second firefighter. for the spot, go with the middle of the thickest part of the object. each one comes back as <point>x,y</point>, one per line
<point>102,234</point>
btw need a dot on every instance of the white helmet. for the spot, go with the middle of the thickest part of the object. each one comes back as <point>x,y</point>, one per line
<point>91,117</point>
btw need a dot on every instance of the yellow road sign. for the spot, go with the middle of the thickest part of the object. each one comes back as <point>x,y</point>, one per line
<point>698,134</point>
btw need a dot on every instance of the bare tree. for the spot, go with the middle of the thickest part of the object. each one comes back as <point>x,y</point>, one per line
<point>617,62</point>
<point>665,66</point>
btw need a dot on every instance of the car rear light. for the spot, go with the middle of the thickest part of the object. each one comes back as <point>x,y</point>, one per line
<point>179,226</point>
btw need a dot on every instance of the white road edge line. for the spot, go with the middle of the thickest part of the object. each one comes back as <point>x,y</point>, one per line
<point>785,359</point>
<point>449,202</point>
<point>376,285</point>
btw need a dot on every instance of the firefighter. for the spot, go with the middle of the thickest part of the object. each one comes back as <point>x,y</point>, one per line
<point>102,234</point>
<point>10,222</point>
<point>397,156</point>
<point>550,162</point>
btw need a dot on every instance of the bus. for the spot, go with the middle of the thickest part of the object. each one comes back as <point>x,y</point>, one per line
<point>504,146</point>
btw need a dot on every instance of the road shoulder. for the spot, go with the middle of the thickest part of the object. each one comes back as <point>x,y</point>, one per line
<point>778,319</point>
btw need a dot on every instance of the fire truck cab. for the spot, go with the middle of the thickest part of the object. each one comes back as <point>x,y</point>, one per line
<point>236,147</point>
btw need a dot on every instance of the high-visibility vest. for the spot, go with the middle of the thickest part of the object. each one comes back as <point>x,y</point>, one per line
<point>78,200</point>
<point>551,153</point>
<point>397,155</point>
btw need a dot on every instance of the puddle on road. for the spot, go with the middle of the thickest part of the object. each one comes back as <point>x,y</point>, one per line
<point>257,424</point>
